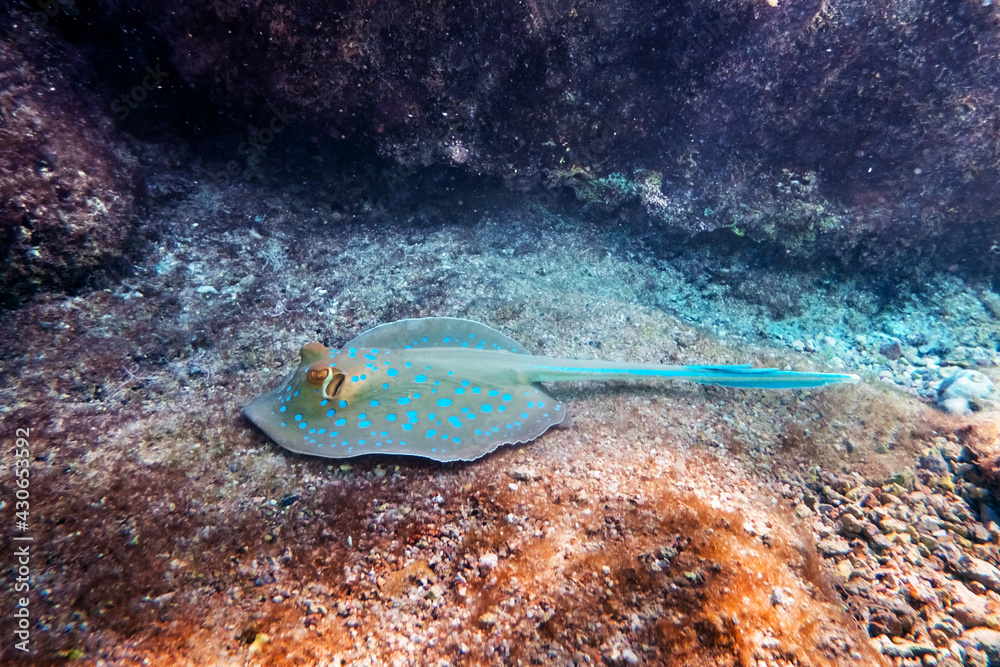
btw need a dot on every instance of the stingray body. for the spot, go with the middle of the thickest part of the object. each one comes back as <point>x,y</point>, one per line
<point>449,389</point>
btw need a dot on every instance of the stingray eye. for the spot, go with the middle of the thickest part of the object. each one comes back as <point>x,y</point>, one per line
<point>317,375</point>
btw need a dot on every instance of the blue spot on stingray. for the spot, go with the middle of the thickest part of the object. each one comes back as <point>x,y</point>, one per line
<point>524,415</point>
<point>502,408</point>
<point>420,378</point>
<point>342,404</point>
<point>321,431</point>
<point>531,404</point>
<point>340,422</point>
<point>407,427</point>
<point>312,430</point>
<point>331,412</point>
<point>465,383</point>
<point>494,392</point>
<point>361,442</point>
<point>354,378</point>
<point>487,407</point>
<point>324,402</point>
<point>444,402</point>
<point>385,385</point>
<point>392,372</point>
<point>284,407</point>
<point>296,393</point>
<point>478,432</point>
<point>374,404</point>
<point>403,401</point>
<point>364,424</point>
<point>476,390</point>
<point>437,382</point>
<point>455,421</point>
<point>412,414</point>
<point>506,397</point>
<point>303,425</point>
<point>431,433</point>
<point>298,418</point>
<point>374,350</point>
<point>459,391</point>
<point>465,408</point>
<point>390,418</point>
<point>424,339</point>
<point>447,338</point>
<point>409,365</point>
<point>284,424</point>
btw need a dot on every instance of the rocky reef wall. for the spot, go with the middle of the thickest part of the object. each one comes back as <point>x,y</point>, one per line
<point>860,132</point>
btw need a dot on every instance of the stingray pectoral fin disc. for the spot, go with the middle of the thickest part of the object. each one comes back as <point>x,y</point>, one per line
<point>264,412</point>
<point>436,332</point>
<point>467,429</point>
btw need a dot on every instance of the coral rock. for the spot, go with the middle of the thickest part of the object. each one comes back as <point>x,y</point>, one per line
<point>68,183</point>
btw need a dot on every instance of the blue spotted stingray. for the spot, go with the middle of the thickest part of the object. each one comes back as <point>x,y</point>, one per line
<point>450,390</point>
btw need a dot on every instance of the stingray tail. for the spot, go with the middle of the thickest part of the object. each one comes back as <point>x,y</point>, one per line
<point>553,370</point>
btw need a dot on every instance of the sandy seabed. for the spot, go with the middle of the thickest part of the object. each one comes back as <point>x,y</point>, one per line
<point>667,524</point>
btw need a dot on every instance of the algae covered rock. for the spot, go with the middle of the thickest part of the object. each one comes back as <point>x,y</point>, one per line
<point>964,391</point>
<point>68,183</point>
